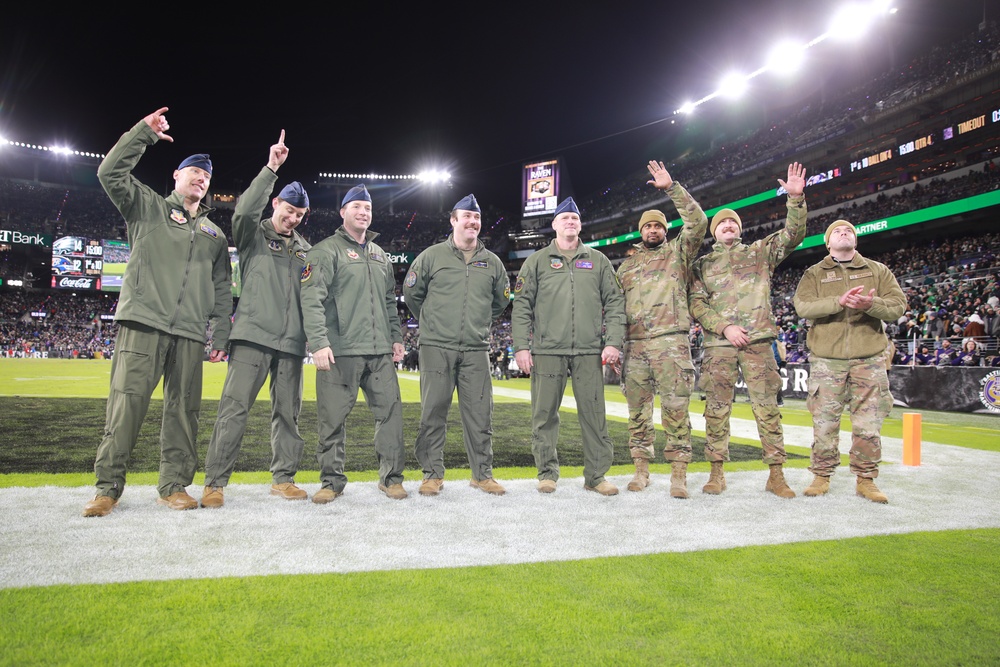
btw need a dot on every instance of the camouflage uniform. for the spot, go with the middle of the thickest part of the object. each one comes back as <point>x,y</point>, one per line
<point>732,286</point>
<point>657,350</point>
<point>848,359</point>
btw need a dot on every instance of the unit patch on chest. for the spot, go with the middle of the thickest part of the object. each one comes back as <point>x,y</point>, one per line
<point>178,216</point>
<point>831,276</point>
<point>274,245</point>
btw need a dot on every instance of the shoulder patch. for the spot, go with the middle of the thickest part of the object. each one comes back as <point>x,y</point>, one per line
<point>208,230</point>
<point>178,216</point>
<point>518,284</point>
<point>506,292</point>
<point>307,271</point>
<point>411,279</point>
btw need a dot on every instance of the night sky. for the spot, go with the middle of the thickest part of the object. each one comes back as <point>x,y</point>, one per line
<point>477,92</point>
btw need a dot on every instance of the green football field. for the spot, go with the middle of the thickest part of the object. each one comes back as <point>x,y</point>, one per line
<point>926,598</point>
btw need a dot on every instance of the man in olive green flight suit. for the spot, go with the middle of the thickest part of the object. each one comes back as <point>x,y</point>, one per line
<point>268,339</point>
<point>456,289</point>
<point>177,281</point>
<point>568,319</point>
<point>353,329</point>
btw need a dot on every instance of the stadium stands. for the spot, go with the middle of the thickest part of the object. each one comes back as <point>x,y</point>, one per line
<point>919,136</point>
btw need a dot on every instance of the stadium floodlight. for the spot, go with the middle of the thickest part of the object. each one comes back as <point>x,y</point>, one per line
<point>851,21</point>
<point>687,107</point>
<point>61,150</point>
<point>786,57</point>
<point>733,85</point>
<point>434,176</point>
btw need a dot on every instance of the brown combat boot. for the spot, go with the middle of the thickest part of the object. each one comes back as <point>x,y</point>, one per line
<point>489,485</point>
<point>394,491</point>
<point>866,489</point>
<point>605,488</point>
<point>819,486</point>
<point>212,496</point>
<point>641,479</point>
<point>716,480</point>
<point>431,486</point>
<point>99,506</point>
<point>678,479</point>
<point>776,483</point>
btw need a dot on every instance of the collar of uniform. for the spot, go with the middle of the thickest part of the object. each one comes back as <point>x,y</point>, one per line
<point>298,241</point>
<point>176,200</point>
<point>856,262</point>
<point>719,246</point>
<point>480,246</point>
<point>369,235</point>
<point>581,249</point>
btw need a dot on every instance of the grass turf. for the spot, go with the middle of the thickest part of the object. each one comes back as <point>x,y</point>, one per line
<point>920,599</point>
<point>868,601</point>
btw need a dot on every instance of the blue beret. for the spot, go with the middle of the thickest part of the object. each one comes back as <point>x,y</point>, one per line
<point>295,194</point>
<point>467,203</point>
<point>567,206</point>
<point>200,160</point>
<point>358,192</point>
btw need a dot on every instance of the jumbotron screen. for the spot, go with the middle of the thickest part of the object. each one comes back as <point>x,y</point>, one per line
<point>116,254</point>
<point>539,188</point>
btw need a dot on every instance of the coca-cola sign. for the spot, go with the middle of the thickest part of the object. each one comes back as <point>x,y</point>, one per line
<point>78,283</point>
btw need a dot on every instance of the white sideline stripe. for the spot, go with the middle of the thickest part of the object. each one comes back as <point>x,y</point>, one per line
<point>44,540</point>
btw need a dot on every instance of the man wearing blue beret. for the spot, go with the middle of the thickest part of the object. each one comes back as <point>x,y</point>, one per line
<point>268,339</point>
<point>353,329</point>
<point>176,283</point>
<point>456,289</point>
<point>568,320</point>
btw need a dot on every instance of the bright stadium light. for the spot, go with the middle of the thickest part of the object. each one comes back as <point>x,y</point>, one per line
<point>851,22</point>
<point>786,57</point>
<point>687,107</point>
<point>434,176</point>
<point>733,85</point>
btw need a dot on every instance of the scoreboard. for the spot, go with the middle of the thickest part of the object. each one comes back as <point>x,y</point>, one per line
<point>77,263</point>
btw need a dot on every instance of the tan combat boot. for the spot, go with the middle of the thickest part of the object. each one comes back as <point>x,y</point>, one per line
<point>212,496</point>
<point>866,489</point>
<point>394,491</point>
<point>819,486</point>
<point>678,479</point>
<point>605,488</point>
<point>776,483</point>
<point>716,480</point>
<point>641,479</point>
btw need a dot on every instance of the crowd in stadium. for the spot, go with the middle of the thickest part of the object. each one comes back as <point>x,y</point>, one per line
<point>951,283</point>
